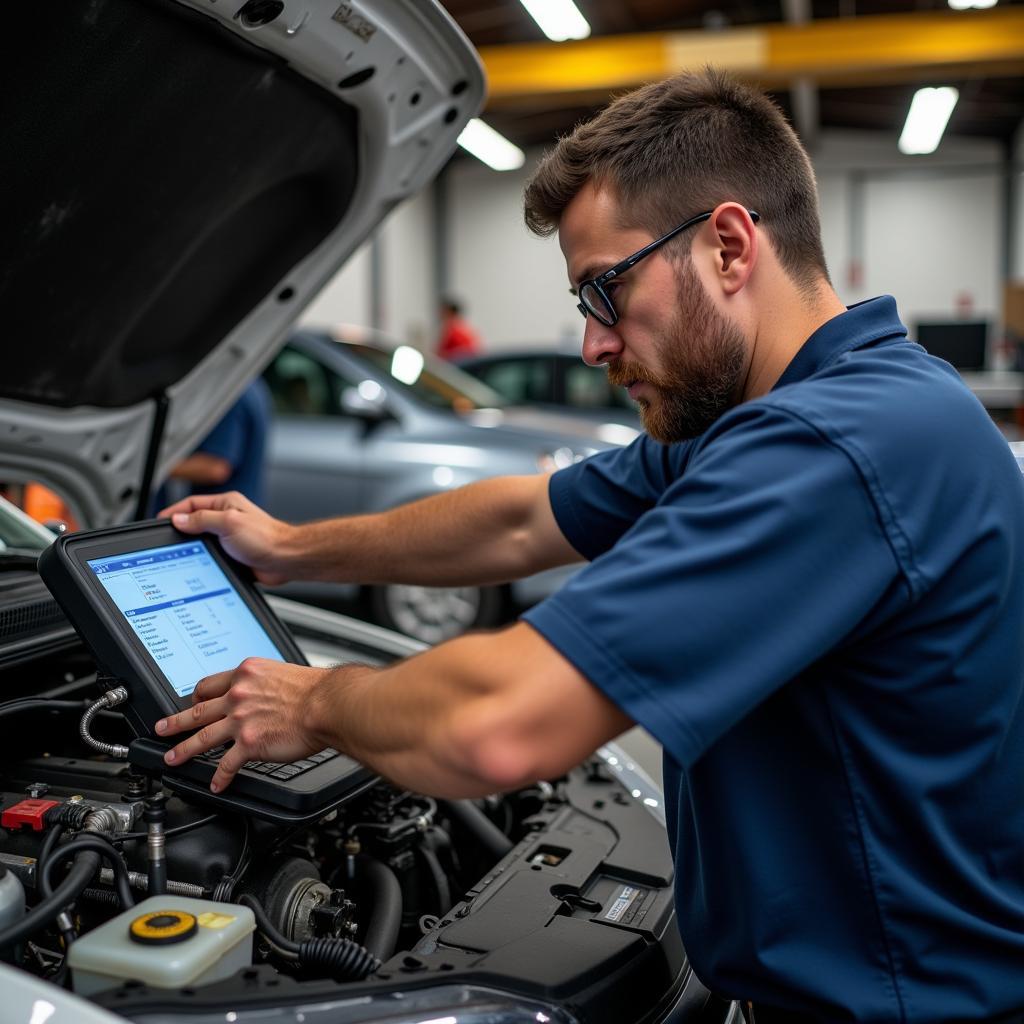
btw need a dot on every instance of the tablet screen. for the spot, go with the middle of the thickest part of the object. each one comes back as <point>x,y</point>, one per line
<point>184,610</point>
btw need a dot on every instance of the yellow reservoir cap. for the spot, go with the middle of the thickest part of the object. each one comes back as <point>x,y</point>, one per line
<point>162,927</point>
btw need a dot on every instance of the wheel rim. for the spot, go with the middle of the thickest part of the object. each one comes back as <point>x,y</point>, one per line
<point>432,614</point>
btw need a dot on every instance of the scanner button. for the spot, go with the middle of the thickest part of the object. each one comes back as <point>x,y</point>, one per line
<point>304,765</point>
<point>287,771</point>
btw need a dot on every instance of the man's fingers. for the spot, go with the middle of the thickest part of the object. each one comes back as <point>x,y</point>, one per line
<point>212,686</point>
<point>199,714</point>
<point>227,768</point>
<point>207,738</point>
<point>193,503</point>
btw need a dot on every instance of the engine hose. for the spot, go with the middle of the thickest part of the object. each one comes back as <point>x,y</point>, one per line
<point>94,844</point>
<point>437,876</point>
<point>78,878</point>
<point>474,820</point>
<point>386,899</point>
<point>341,959</point>
<point>334,956</point>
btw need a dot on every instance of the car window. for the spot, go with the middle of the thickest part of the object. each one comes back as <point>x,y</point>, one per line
<point>519,380</point>
<point>18,532</point>
<point>300,386</point>
<point>430,380</point>
<point>587,387</point>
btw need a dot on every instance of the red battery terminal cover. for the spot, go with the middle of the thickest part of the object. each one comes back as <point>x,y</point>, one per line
<point>28,812</point>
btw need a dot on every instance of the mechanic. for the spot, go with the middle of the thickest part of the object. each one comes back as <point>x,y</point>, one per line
<point>231,456</point>
<point>806,580</point>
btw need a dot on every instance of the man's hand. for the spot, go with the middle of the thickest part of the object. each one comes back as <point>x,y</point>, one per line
<point>246,532</point>
<point>263,707</point>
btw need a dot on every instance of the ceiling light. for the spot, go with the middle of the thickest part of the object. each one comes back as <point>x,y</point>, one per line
<point>493,149</point>
<point>966,5</point>
<point>926,120</point>
<point>558,19</point>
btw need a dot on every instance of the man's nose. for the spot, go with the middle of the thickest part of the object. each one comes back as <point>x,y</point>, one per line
<point>601,344</point>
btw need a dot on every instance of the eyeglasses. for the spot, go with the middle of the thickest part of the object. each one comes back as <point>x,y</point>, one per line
<point>596,302</point>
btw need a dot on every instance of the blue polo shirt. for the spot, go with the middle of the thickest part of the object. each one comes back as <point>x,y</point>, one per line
<point>240,437</point>
<point>818,608</point>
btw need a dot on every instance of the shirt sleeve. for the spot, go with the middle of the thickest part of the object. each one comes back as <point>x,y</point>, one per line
<point>227,439</point>
<point>597,500</point>
<point>753,565</point>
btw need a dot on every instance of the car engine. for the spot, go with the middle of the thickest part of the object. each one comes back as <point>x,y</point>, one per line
<point>390,890</point>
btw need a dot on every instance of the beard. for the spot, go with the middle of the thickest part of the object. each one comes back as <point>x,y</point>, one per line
<point>703,357</point>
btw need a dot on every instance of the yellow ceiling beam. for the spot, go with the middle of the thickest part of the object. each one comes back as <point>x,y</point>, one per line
<point>843,51</point>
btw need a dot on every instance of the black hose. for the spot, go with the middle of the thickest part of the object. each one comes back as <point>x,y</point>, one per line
<point>437,876</point>
<point>67,930</point>
<point>483,829</point>
<point>338,958</point>
<point>266,926</point>
<point>96,844</point>
<point>386,899</point>
<point>85,865</point>
<point>12,707</point>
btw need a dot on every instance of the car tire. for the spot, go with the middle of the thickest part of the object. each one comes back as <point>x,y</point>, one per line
<point>433,614</point>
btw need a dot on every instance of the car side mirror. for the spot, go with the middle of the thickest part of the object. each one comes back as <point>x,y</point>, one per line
<point>364,403</point>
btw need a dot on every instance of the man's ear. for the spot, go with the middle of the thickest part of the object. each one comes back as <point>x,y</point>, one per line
<point>732,235</point>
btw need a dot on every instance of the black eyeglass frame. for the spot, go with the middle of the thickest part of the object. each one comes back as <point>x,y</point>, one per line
<point>598,283</point>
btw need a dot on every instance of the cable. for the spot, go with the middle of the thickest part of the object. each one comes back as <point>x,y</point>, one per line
<point>78,878</point>
<point>176,831</point>
<point>12,707</point>
<point>67,931</point>
<point>118,695</point>
<point>99,845</point>
<point>337,957</point>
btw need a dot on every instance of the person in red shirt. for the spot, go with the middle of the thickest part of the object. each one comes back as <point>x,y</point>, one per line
<point>458,339</point>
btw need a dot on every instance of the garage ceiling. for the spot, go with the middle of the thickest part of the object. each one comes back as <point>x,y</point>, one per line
<point>829,63</point>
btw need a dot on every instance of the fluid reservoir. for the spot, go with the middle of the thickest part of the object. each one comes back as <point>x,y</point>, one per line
<point>165,942</point>
<point>12,903</point>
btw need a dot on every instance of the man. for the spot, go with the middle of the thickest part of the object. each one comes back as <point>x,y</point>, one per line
<point>807,582</point>
<point>231,456</point>
<point>458,340</point>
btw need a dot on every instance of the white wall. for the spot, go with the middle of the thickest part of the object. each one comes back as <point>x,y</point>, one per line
<point>406,249</point>
<point>925,229</point>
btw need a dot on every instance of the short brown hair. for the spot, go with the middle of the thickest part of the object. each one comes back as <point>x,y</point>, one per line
<point>675,148</point>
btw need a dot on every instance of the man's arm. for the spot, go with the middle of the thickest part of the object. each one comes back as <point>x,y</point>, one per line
<point>488,532</point>
<point>202,468</point>
<point>485,712</point>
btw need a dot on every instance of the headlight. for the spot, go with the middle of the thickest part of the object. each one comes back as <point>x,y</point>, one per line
<point>446,1004</point>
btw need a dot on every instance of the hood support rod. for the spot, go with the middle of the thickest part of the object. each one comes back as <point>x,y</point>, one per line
<point>162,404</point>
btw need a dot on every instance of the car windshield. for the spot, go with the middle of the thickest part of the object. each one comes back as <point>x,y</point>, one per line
<point>18,533</point>
<point>431,380</point>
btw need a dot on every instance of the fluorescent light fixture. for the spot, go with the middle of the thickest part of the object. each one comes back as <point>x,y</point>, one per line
<point>927,118</point>
<point>966,5</point>
<point>558,19</point>
<point>489,146</point>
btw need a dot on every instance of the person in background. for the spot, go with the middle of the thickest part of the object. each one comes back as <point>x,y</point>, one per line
<point>231,456</point>
<point>458,339</point>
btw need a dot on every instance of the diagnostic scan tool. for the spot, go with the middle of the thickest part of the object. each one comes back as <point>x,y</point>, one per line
<point>160,610</point>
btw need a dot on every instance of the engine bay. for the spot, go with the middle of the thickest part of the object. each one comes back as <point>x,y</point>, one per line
<point>555,892</point>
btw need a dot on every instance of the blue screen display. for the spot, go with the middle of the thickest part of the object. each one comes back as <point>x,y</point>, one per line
<point>184,610</point>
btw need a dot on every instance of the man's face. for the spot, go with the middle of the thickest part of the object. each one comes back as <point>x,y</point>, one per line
<point>680,359</point>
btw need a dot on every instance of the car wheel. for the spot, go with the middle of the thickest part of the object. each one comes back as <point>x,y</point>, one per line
<point>433,614</point>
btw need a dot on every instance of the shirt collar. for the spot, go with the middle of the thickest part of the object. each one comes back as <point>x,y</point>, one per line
<point>861,325</point>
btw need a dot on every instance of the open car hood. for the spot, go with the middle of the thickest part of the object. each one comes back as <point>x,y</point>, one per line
<point>181,178</point>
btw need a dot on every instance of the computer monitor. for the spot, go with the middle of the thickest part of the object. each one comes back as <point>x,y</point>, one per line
<point>960,342</point>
